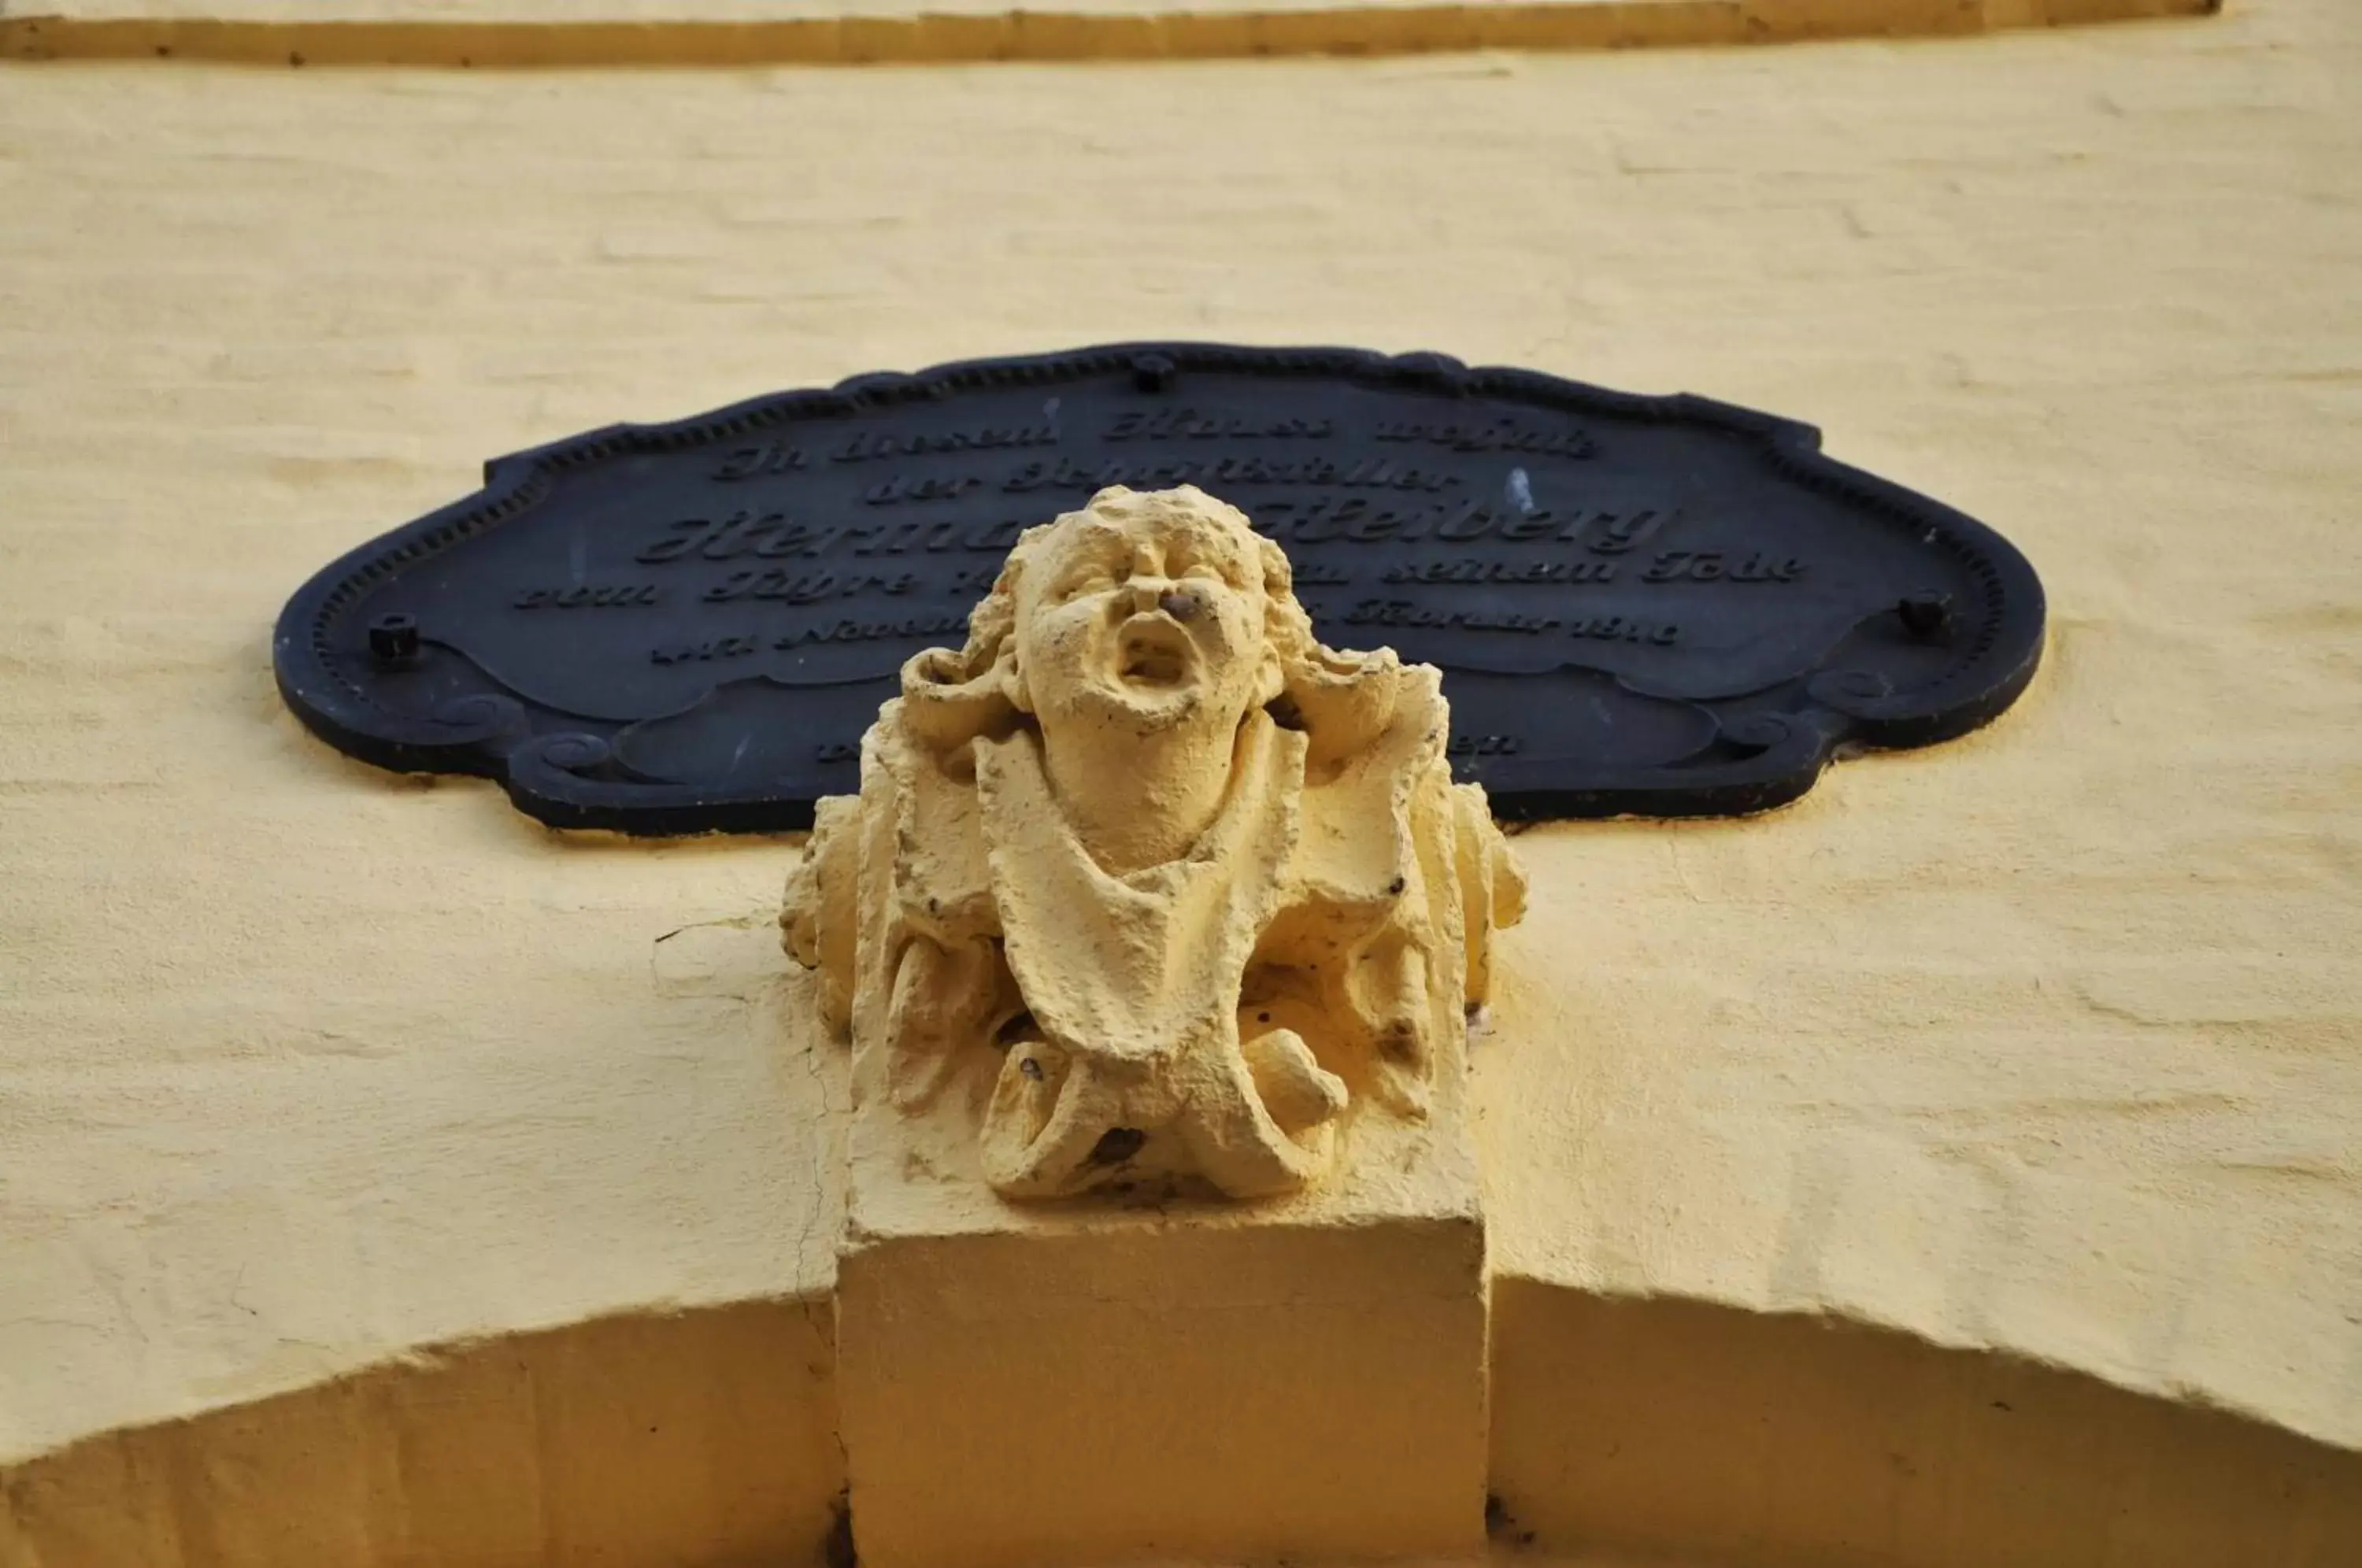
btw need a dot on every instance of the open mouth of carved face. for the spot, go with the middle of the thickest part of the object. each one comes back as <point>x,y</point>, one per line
<point>1154,652</point>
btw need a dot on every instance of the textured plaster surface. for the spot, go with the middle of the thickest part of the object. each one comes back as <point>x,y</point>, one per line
<point>2047,1039</point>
<point>2041,1042</point>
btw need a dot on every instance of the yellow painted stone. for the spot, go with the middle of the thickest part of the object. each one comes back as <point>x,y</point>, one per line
<point>1147,892</point>
<point>1228,1385</point>
<point>2033,1052</point>
<point>1153,903</point>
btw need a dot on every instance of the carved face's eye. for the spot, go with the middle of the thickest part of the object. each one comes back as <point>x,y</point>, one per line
<point>1226,572</point>
<point>1189,566</point>
<point>1091,563</point>
<point>1076,581</point>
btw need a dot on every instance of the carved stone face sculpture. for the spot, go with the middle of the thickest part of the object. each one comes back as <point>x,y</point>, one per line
<point>1147,607</point>
<point>1145,881</point>
<point>1139,646</point>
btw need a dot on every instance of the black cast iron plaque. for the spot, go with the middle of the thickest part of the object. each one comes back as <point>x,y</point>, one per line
<point>1653,605</point>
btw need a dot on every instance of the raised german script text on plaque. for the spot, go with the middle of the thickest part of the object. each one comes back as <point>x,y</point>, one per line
<point>1649,605</point>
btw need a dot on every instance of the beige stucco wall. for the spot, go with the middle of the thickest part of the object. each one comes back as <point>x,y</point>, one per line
<point>2044,1041</point>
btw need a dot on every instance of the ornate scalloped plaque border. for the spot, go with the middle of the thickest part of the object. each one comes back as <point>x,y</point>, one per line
<point>1661,606</point>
